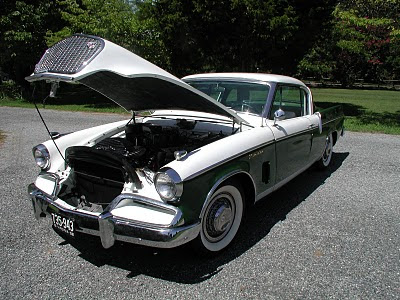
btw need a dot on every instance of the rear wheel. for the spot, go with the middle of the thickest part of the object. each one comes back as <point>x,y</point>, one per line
<point>327,155</point>
<point>221,220</point>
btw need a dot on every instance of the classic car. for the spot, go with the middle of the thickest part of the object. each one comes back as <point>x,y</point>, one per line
<point>196,152</point>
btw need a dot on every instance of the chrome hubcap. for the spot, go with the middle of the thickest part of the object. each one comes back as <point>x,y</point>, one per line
<point>219,217</point>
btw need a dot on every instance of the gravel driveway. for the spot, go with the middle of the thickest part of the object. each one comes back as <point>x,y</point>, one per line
<point>332,234</point>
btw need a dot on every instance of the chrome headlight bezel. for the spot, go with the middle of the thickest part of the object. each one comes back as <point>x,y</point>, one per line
<point>168,185</point>
<point>42,156</point>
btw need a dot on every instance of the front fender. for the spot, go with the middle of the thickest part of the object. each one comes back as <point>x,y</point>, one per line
<point>198,190</point>
<point>221,152</point>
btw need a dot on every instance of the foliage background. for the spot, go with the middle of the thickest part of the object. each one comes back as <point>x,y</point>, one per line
<point>341,40</point>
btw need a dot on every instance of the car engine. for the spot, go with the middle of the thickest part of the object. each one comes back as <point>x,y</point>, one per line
<point>100,172</point>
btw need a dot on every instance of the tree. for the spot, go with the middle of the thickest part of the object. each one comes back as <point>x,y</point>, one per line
<point>23,25</point>
<point>114,20</point>
<point>226,35</point>
<point>364,43</point>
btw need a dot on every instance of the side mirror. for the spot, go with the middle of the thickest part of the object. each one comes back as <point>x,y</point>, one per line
<point>279,115</point>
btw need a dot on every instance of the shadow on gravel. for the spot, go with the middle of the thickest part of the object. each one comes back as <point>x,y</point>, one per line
<point>181,264</point>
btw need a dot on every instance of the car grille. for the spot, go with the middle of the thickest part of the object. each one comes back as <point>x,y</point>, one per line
<point>70,55</point>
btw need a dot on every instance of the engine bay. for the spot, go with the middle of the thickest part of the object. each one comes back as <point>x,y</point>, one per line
<point>152,146</point>
<point>100,172</point>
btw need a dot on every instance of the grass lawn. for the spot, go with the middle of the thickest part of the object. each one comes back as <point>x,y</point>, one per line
<point>365,110</point>
<point>69,107</point>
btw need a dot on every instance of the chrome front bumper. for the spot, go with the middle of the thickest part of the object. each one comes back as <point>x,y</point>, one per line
<point>110,228</point>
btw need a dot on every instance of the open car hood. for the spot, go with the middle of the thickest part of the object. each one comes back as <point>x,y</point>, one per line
<point>127,79</point>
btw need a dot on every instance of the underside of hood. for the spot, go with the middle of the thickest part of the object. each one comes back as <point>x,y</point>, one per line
<point>127,79</point>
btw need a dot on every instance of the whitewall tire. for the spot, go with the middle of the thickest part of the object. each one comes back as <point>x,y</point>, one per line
<point>221,219</point>
<point>327,155</point>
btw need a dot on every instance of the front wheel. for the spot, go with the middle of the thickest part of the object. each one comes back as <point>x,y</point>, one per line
<point>221,220</point>
<point>327,155</point>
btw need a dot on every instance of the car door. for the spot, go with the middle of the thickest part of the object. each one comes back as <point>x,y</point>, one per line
<point>293,134</point>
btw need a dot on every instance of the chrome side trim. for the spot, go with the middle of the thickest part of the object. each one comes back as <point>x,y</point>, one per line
<point>194,175</point>
<point>283,182</point>
<point>265,193</point>
<point>295,174</point>
<point>330,121</point>
<point>309,130</point>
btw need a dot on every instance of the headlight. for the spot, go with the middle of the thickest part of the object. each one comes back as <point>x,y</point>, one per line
<point>42,156</point>
<point>166,187</point>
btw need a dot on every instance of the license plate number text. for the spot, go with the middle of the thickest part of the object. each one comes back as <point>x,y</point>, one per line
<point>64,224</point>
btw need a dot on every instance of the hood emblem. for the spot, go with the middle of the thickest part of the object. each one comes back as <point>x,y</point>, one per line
<point>91,45</point>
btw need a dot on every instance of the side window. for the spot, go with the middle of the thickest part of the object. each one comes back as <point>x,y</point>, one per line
<point>292,100</point>
<point>232,97</point>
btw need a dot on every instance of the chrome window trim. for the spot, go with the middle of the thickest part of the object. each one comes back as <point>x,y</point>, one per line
<point>239,80</point>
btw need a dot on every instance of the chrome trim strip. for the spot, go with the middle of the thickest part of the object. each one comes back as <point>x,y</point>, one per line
<point>265,193</point>
<point>229,159</point>
<point>287,179</point>
<point>50,76</point>
<point>309,130</point>
<point>332,120</point>
<point>230,79</point>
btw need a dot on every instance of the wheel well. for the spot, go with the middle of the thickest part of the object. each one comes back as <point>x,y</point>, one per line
<point>247,186</point>
<point>334,136</point>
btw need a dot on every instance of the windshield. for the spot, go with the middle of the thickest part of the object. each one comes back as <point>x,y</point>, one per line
<point>240,96</point>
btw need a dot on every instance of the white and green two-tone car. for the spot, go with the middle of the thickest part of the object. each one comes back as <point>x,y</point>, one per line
<point>208,146</point>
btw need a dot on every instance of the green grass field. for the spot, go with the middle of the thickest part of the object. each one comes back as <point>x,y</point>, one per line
<point>68,107</point>
<point>365,110</point>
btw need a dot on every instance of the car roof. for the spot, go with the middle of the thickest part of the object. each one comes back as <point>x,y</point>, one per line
<point>245,76</point>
